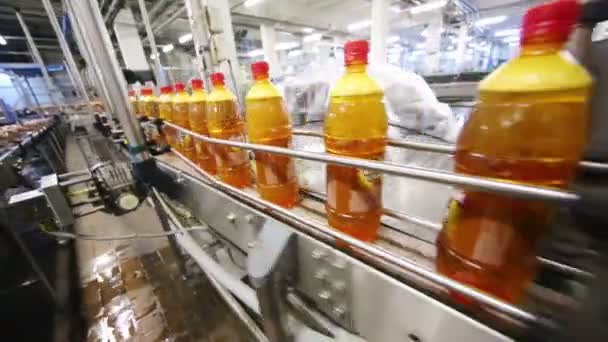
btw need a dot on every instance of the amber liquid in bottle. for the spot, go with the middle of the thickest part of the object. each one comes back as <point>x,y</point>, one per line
<point>269,124</point>
<point>490,241</point>
<point>181,117</point>
<point>198,122</point>
<point>355,126</point>
<point>224,122</point>
<point>165,109</point>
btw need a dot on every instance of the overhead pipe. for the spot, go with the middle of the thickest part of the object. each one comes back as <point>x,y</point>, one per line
<point>158,7</point>
<point>161,26</point>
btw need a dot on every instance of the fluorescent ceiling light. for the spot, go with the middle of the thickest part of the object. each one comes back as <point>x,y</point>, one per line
<point>425,32</point>
<point>507,32</point>
<point>359,25</point>
<point>251,3</point>
<point>295,53</point>
<point>491,20</point>
<point>308,30</point>
<point>429,6</point>
<point>168,48</point>
<point>185,38</point>
<point>255,53</point>
<point>286,46</point>
<point>393,39</point>
<point>511,39</point>
<point>312,38</point>
<point>395,9</point>
<point>2,41</point>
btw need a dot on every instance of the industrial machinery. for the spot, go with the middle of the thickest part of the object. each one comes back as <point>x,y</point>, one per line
<point>289,276</point>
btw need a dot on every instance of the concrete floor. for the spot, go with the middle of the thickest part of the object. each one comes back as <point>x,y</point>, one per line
<point>136,290</point>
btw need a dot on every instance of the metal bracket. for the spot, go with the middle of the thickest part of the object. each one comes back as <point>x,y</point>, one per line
<point>271,265</point>
<point>49,185</point>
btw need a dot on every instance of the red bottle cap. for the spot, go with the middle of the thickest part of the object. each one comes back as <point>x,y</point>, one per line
<point>355,52</point>
<point>550,23</point>
<point>147,91</point>
<point>166,90</point>
<point>217,78</point>
<point>197,84</point>
<point>259,70</point>
<point>179,87</point>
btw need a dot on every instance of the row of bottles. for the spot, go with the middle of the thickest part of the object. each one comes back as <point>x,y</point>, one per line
<point>356,126</point>
<point>516,132</point>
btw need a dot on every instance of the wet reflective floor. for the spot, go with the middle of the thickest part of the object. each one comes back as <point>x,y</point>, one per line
<point>144,290</point>
<point>151,298</point>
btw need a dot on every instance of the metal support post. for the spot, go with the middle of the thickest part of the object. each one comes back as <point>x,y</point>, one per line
<point>50,187</point>
<point>158,71</point>
<point>199,37</point>
<point>67,53</point>
<point>91,25</point>
<point>37,57</point>
<point>379,31</point>
<point>85,49</point>
<point>29,86</point>
<point>269,37</point>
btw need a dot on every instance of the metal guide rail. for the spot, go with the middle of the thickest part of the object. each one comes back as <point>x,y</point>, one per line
<point>442,177</point>
<point>379,257</point>
<point>448,149</point>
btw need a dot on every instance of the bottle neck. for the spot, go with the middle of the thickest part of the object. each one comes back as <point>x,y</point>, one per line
<point>219,86</point>
<point>198,91</point>
<point>356,68</point>
<point>261,79</point>
<point>544,48</point>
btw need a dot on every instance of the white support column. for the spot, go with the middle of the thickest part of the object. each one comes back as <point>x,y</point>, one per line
<point>131,47</point>
<point>461,46</point>
<point>433,43</point>
<point>228,46</point>
<point>379,31</point>
<point>196,18</point>
<point>269,37</point>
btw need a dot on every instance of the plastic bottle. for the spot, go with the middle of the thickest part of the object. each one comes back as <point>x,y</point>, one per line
<point>134,103</point>
<point>224,122</point>
<point>198,123</point>
<point>268,123</point>
<point>529,126</point>
<point>149,105</point>
<point>165,109</point>
<point>355,126</point>
<point>181,103</point>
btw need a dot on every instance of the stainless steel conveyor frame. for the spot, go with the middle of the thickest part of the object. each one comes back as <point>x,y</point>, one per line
<point>383,259</point>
